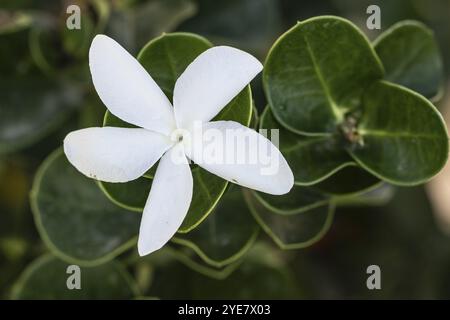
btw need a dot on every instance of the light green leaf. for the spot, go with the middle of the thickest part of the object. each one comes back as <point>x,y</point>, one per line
<point>312,159</point>
<point>165,58</point>
<point>226,234</point>
<point>46,277</point>
<point>411,57</point>
<point>75,219</point>
<point>293,231</point>
<point>402,138</point>
<point>316,72</point>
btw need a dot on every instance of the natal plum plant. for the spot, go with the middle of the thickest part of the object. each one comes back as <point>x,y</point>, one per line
<point>348,116</point>
<point>325,82</point>
<point>354,119</point>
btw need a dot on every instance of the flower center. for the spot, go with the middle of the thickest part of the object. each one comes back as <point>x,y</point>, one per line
<point>177,135</point>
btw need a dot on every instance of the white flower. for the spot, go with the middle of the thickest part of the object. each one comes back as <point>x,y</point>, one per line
<point>122,154</point>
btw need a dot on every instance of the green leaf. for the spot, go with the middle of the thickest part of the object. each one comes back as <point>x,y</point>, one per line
<point>165,58</point>
<point>45,48</point>
<point>256,278</point>
<point>299,199</point>
<point>14,52</point>
<point>191,259</point>
<point>312,159</point>
<point>402,137</point>
<point>132,196</point>
<point>76,42</point>
<point>293,231</point>
<point>316,72</point>
<point>14,21</point>
<point>225,235</point>
<point>133,24</point>
<point>411,57</point>
<point>349,180</point>
<point>75,220</point>
<point>46,277</point>
<point>31,107</point>
<point>378,196</point>
<point>250,25</point>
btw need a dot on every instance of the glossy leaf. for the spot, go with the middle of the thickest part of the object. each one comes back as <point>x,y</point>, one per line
<point>349,180</point>
<point>46,279</point>
<point>134,23</point>
<point>226,234</point>
<point>132,196</point>
<point>31,107</point>
<point>76,41</point>
<point>165,58</point>
<point>410,55</point>
<point>192,260</point>
<point>256,278</point>
<point>377,196</point>
<point>299,199</point>
<point>312,159</point>
<point>75,219</point>
<point>402,137</point>
<point>316,72</point>
<point>293,231</point>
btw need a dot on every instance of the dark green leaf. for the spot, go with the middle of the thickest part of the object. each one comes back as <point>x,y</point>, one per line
<point>134,24</point>
<point>312,159</point>
<point>132,196</point>
<point>191,259</point>
<point>76,41</point>
<point>378,196</point>
<point>256,278</point>
<point>293,231</point>
<point>410,55</point>
<point>247,24</point>
<point>349,180</point>
<point>75,219</point>
<point>31,107</point>
<point>402,137</point>
<point>46,277</point>
<point>316,72</point>
<point>299,199</point>
<point>226,234</point>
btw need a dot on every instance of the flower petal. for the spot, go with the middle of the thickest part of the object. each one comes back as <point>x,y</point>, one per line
<point>212,80</point>
<point>114,154</point>
<point>241,155</point>
<point>168,202</point>
<point>126,88</point>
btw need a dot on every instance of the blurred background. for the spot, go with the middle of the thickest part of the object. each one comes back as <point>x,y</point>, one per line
<point>46,92</point>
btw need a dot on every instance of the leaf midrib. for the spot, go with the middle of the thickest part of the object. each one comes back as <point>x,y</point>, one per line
<point>397,134</point>
<point>333,106</point>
